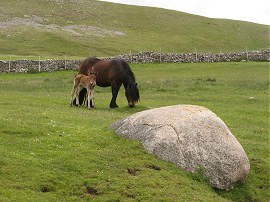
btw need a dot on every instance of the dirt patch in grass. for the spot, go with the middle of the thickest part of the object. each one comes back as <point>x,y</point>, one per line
<point>153,167</point>
<point>133,171</point>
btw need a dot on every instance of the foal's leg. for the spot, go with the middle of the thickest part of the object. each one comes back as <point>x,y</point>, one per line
<point>92,98</point>
<point>77,99</point>
<point>89,97</point>
<point>72,96</point>
<point>78,90</point>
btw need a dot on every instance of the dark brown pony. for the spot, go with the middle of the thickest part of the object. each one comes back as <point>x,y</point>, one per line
<point>112,73</point>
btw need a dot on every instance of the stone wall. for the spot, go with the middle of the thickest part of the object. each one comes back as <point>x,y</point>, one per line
<point>142,57</point>
<point>38,66</point>
<point>151,57</point>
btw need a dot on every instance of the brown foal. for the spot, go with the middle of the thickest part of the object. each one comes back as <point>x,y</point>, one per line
<point>82,81</point>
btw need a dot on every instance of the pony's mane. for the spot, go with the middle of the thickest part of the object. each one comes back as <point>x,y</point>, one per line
<point>84,66</point>
<point>131,81</point>
<point>131,75</point>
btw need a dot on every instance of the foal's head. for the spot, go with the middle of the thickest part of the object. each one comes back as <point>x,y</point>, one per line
<point>92,82</point>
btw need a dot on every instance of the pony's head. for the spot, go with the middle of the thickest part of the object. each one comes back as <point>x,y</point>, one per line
<point>132,94</point>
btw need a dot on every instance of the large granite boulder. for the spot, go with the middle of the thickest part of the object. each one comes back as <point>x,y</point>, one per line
<point>193,138</point>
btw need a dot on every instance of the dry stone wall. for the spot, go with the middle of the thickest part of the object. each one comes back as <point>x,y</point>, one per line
<point>38,66</point>
<point>151,57</point>
<point>142,57</point>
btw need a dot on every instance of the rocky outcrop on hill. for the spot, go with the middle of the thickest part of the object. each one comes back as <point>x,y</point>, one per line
<point>193,138</point>
<point>40,23</point>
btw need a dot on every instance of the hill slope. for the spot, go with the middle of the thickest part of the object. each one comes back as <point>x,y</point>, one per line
<point>88,27</point>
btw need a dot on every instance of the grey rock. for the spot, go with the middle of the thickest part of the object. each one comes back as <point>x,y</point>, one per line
<point>192,137</point>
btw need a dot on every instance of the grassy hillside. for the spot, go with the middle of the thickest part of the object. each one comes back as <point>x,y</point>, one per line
<point>88,27</point>
<point>53,152</point>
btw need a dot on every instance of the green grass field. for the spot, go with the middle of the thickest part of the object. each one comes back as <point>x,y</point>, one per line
<point>93,28</point>
<point>53,152</point>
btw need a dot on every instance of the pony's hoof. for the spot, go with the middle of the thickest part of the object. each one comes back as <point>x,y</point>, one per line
<point>113,106</point>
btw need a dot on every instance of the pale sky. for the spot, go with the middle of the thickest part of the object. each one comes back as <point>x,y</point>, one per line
<point>257,11</point>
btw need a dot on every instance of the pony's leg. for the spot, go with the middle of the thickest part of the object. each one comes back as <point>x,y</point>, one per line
<point>115,89</point>
<point>84,99</point>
